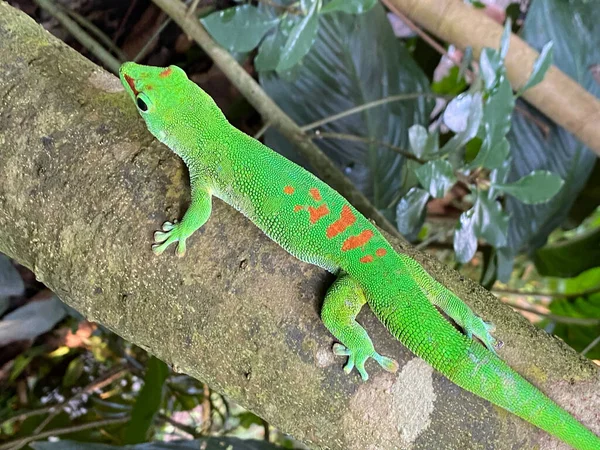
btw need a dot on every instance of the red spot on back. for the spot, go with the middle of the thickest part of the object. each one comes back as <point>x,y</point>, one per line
<point>289,190</point>
<point>165,73</point>
<point>381,252</point>
<point>366,259</point>
<point>346,219</point>
<point>314,193</point>
<point>131,83</point>
<point>149,87</point>
<point>298,208</point>
<point>317,213</point>
<point>357,241</point>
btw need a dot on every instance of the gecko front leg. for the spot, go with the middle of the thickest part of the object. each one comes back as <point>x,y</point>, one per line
<point>196,216</point>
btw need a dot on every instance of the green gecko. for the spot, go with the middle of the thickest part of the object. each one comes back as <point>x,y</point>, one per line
<point>317,225</point>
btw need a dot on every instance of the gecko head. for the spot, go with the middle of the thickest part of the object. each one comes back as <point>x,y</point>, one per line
<point>170,104</point>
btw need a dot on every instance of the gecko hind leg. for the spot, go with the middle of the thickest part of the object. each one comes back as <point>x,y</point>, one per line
<point>454,307</point>
<point>342,304</point>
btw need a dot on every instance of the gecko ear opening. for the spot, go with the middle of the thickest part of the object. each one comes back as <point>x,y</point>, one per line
<point>143,102</point>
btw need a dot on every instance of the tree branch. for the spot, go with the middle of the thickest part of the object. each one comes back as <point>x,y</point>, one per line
<point>83,187</point>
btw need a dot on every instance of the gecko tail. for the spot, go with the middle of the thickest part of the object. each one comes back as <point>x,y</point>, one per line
<point>469,364</point>
<point>486,375</point>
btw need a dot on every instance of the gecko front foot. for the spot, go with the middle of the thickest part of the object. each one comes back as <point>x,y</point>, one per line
<point>357,359</point>
<point>171,233</point>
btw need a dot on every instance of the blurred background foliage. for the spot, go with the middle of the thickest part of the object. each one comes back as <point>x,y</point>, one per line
<point>437,141</point>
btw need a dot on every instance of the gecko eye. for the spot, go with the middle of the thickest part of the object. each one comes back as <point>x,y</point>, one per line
<point>141,104</point>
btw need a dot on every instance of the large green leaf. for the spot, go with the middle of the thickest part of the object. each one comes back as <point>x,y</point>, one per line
<point>465,241</point>
<point>574,27</point>
<point>490,222</point>
<point>537,187</point>
<point>301,38</point>
<point>541,66</point>
<point>437,177</point>
<point>147,402</point>
<point>239,29</point>
<point>571,257</point>
<point>410,212</point>
<point>585,306</point>
<point>356,59</point>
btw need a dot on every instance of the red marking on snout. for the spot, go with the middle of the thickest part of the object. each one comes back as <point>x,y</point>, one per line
<point>131,83</point>
<point>165,73</point>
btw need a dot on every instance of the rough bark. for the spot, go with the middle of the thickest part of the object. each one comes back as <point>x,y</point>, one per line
<point>83,186</point>
<point>558,96</point>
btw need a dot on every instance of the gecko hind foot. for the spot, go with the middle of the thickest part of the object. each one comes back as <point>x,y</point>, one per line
<point>482,331</point>
<point>358,359</point>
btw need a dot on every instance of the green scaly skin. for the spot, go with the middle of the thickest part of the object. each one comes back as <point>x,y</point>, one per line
<point>317,225</point>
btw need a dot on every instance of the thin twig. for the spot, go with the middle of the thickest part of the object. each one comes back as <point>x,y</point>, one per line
<point>149,42</point>
<point>366,140</point>
<point>368,105</point>
<point>104,380</point>
<point>85,23</point>
<point>410,24</point>
<point>180,426</point>
<point>547,294</point>
<point>555,318</point>
<point>591,345</point>
<point>61,431</point>
<point>109,61</point>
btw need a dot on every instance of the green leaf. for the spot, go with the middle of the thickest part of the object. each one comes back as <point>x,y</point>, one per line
<point>505,40</point>
<point>457,112</point>
<point>410,212</point>
<point>349,6</point>
<point>73,372</point>
<point>11,283</point>
<point>537,187</point>
<point>437,177</point>
<point>301,39</point>
<point>540,67</point>
<point>269,52</point>
<point>569,258</point>
<point>471,106</point>
<point>490,66</point>
<point>421,142</point>
<point>452,84</point>
<point>362,48</point>
<point>491,157</point>
<point>240,28</point>
<point>31,320</point>
<point>464,65</point>
<point>585,307</point>
<point>147,402</point>
<point>465,241</point>
<point>491,223</point>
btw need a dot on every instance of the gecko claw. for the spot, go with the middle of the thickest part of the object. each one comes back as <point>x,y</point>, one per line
<point>171,233</point>
<point>358,359</point>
